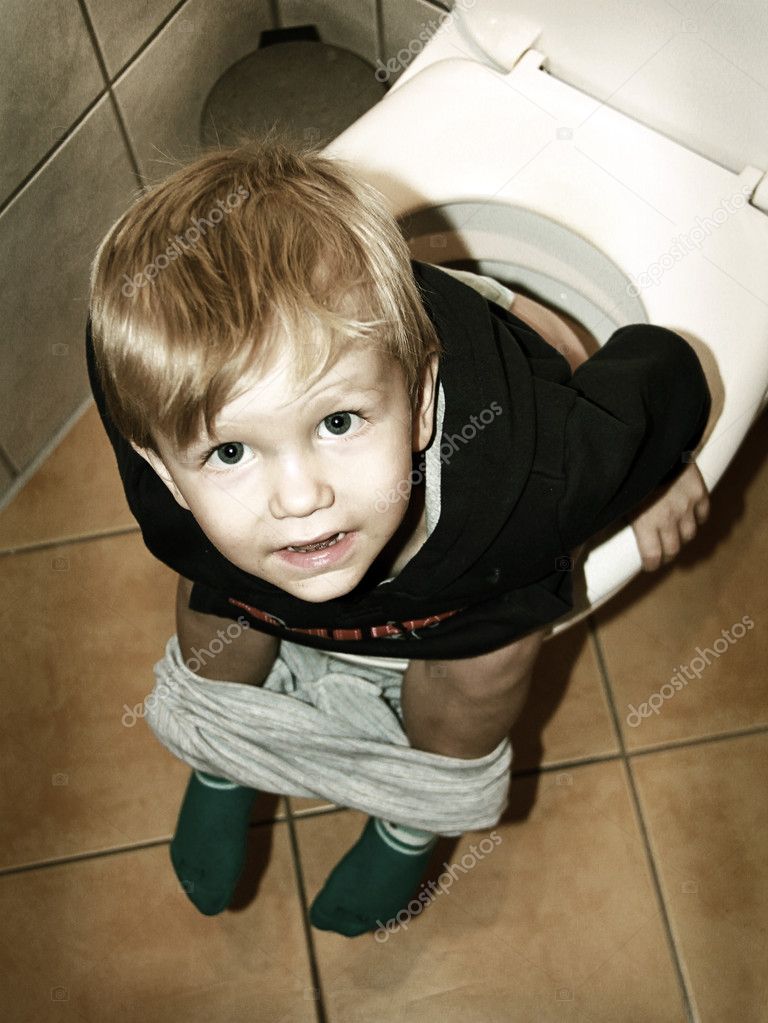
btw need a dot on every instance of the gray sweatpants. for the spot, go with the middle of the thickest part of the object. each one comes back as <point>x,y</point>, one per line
<point>325,725</point>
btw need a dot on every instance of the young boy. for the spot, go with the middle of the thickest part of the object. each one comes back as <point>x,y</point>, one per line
<point>268,377</point>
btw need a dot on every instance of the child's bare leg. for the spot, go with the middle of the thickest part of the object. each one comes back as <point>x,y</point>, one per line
<point>248,658</point>
<point>464,708</point>
<point>556,330</point>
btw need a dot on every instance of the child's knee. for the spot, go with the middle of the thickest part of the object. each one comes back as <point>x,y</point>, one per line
<point>495,674</point>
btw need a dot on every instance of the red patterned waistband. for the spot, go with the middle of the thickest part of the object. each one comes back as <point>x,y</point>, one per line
<point>388,630</point>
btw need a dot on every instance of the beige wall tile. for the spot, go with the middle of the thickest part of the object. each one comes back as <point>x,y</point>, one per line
<point>48,75</point>
<point>6,479</point>
<point>122,28</point>
<point>48,237</point>
<point>163,92</point>
<point>407,29</point>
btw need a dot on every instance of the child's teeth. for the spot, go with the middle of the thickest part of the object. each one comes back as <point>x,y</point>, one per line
<point>319,546</point>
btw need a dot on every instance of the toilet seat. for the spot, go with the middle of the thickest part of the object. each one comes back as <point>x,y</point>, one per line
<point>678,228</point>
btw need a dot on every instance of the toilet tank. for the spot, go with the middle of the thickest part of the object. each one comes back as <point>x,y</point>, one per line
<point>696,72</point>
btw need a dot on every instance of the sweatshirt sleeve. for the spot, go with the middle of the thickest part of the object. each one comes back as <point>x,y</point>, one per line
<point>642,404</point>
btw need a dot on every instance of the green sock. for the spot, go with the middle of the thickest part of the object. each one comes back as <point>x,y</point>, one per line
<point>208,849</point>
<point>374,880</point>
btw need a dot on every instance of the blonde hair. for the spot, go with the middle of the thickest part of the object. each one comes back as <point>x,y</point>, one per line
<point>185,305</point>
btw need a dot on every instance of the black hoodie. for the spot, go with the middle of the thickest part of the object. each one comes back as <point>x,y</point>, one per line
<point>568,455</point>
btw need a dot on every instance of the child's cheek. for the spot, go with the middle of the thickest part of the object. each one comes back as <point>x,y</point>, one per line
<point>392,489</point>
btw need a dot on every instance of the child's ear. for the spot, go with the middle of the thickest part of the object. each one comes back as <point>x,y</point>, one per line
<point>162,471</point>
<point>424,416</point>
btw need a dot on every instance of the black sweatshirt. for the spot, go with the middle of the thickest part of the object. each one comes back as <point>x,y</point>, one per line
<point>568,455</point>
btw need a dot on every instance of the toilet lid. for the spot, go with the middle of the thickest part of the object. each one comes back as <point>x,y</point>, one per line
<point>695,72</point>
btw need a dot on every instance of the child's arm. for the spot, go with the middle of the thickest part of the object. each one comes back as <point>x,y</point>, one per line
<point>246,658</point>
<point>668,521</point>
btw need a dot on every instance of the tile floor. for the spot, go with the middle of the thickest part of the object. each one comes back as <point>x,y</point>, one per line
<point>626,882</point>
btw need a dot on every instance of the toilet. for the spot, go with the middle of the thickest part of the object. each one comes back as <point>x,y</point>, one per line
<point>493,161</point>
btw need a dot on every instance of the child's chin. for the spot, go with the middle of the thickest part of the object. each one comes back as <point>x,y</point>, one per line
<point>321,588</point>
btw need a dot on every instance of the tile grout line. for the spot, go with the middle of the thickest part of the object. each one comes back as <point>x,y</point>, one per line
<point>42,545</point>
<point>147,42</point>
<point>7,464</point>
<point>314,969</point>
<point>324,811</point>
<point>25,475</point>
<point>116,110</point>
<point>47,157</point>
<point>118,850</point>
<point>378,27</point>
<point>94,41</point>
<point>701,740</point>
<point>70,131</point>
<point>682,978</point>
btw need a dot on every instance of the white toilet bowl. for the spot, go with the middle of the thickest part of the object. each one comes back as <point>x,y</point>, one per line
<point>487,158</point>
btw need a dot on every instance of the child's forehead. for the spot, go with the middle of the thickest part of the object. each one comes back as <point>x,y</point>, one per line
<point>359,372</point>
<point>353,366</point>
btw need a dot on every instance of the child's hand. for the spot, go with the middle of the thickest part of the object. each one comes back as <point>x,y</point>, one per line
<point>671,519</point>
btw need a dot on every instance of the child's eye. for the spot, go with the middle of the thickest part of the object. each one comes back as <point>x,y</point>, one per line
<point>338,423</point>
<point>229,454</point>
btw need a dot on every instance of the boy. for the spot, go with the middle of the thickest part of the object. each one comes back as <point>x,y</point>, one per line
<point>268,377</point>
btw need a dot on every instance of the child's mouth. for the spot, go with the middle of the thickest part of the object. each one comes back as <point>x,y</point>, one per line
<point>319,555</point>
<point>321,545</point>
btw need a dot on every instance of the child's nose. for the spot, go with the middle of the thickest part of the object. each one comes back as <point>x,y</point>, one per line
<point>299,490</point>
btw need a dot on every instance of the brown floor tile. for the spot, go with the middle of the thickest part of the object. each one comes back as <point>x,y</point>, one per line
<point>706,808</point>
<point>557,921</point>
<point>83,771</point>
<point>115,938</point>
<point>666,636</point>
<point>76,492</point>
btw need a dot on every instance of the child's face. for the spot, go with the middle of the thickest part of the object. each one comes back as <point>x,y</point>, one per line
<point>291,467</point>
